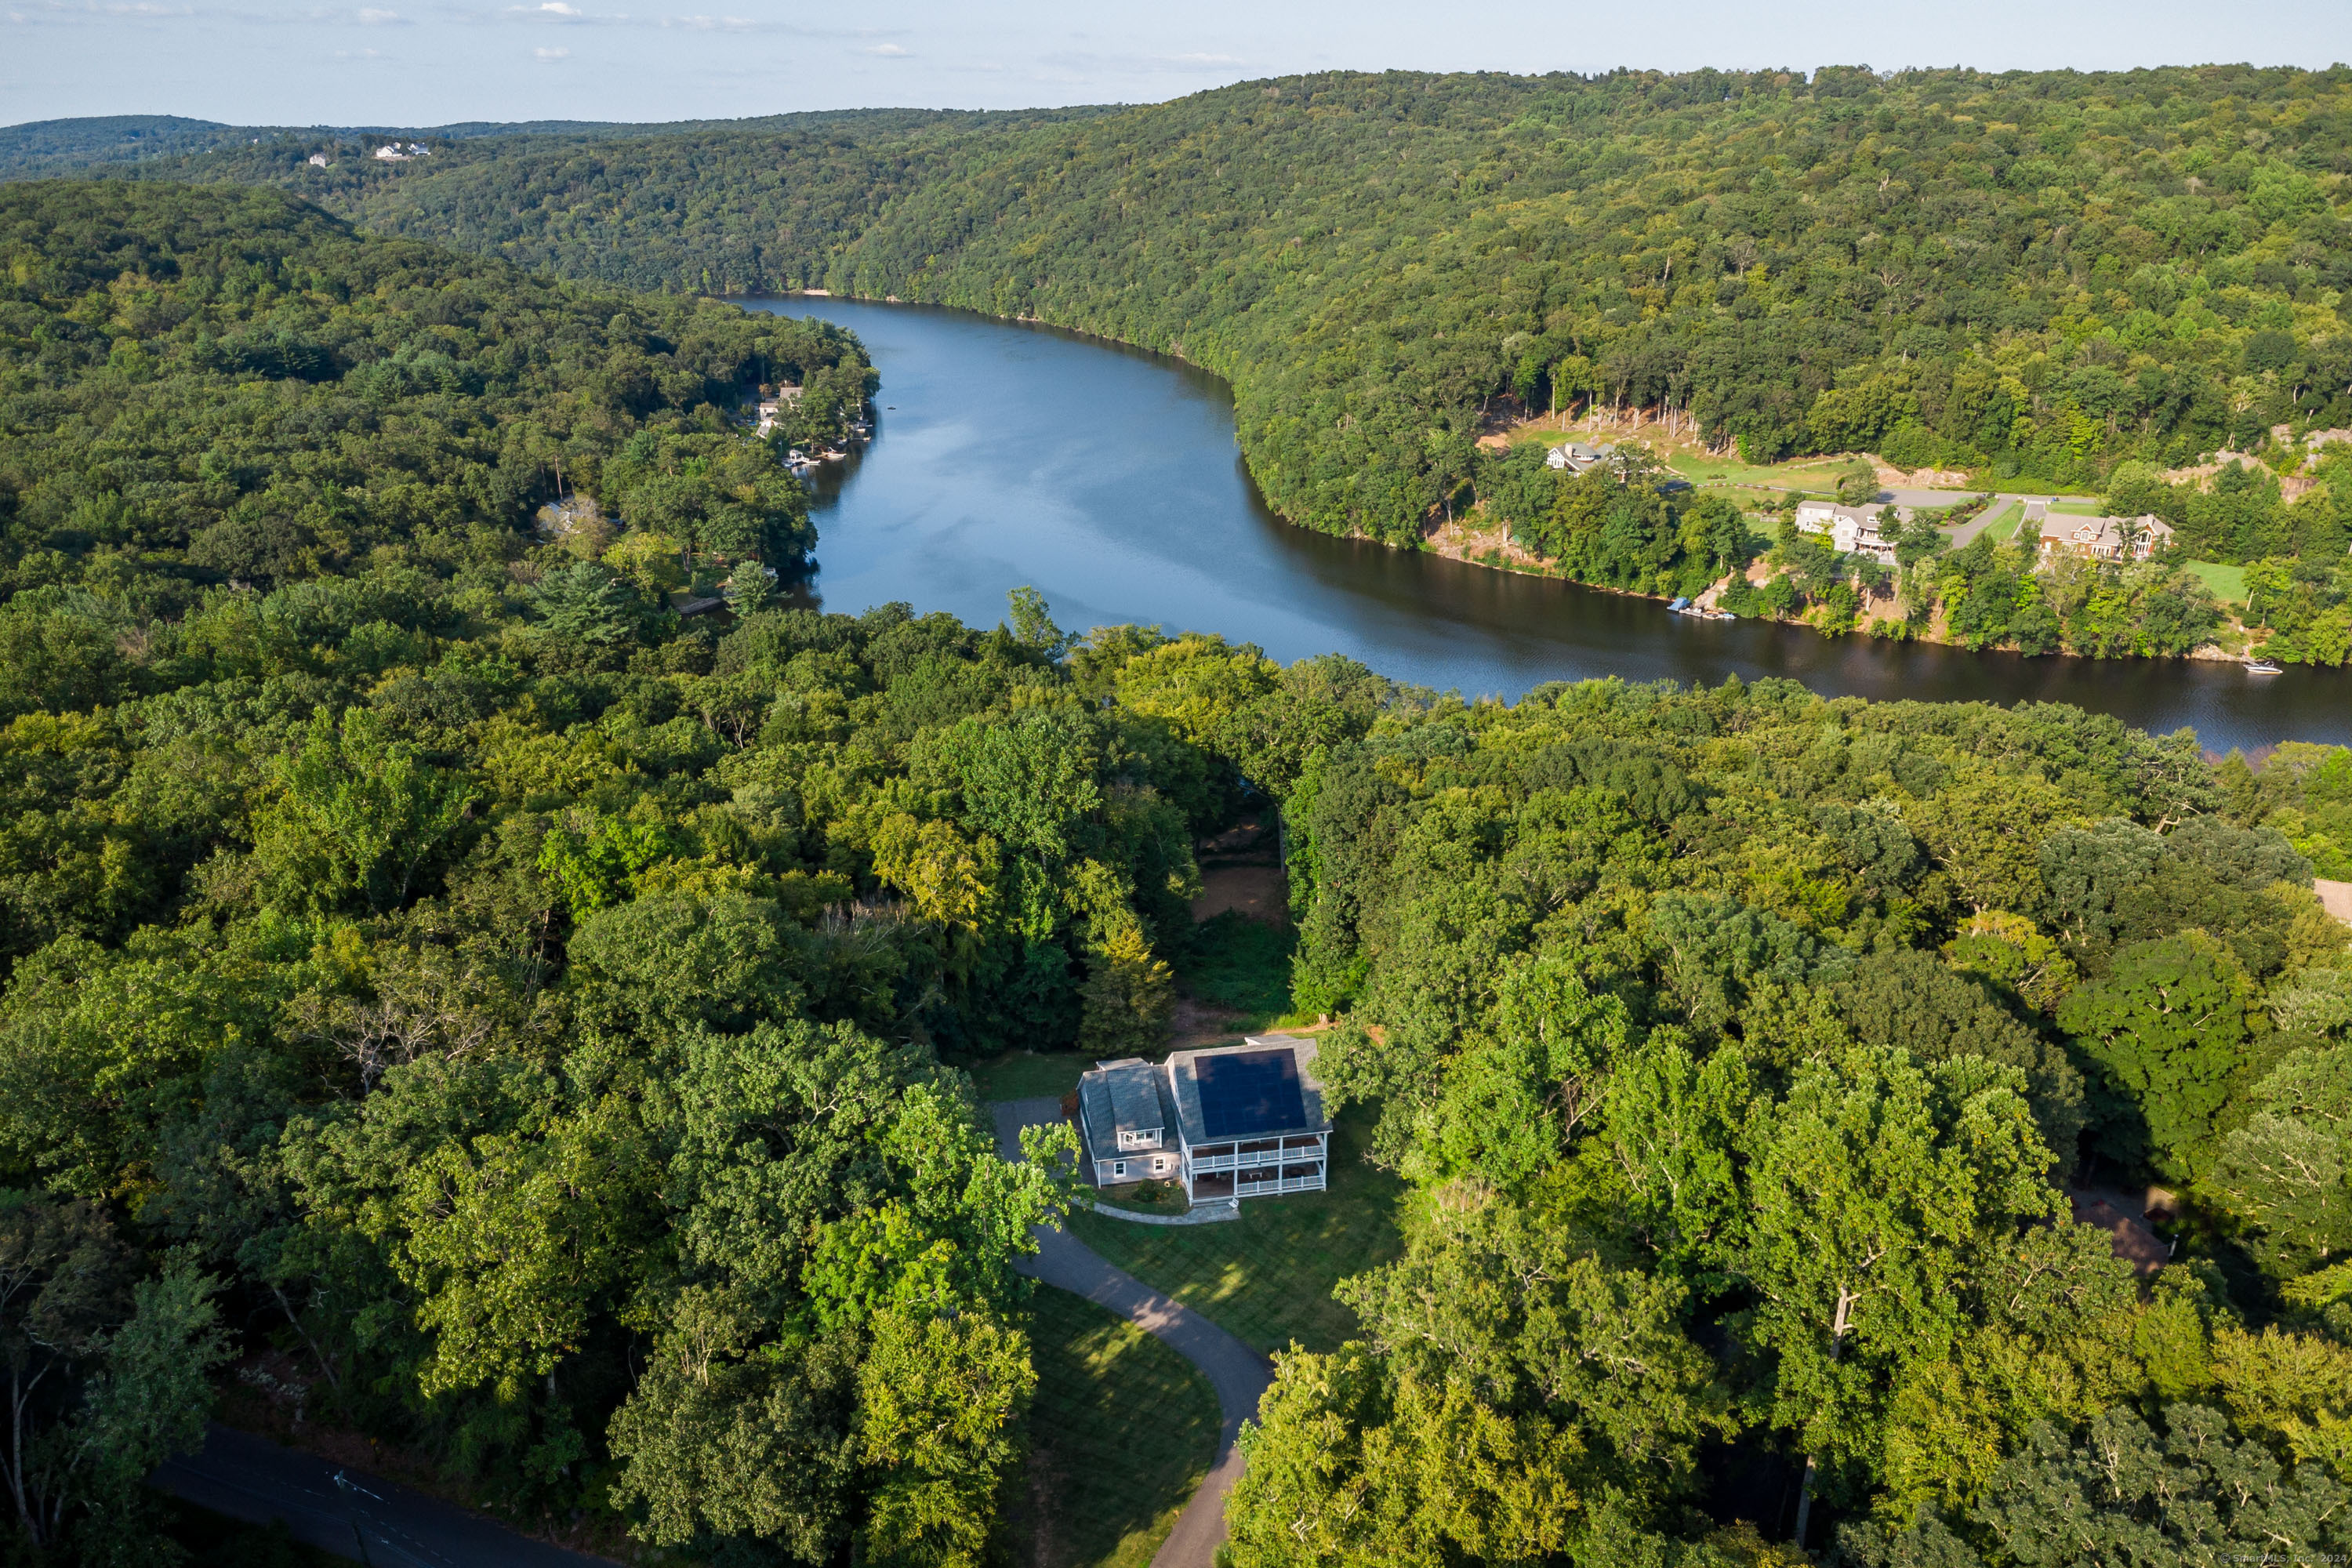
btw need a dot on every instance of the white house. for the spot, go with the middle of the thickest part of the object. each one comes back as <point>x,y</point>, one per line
<point>1233,1122</point>
<point>1576,457</point>
<point>318,160</point>
<point>1851,530</point>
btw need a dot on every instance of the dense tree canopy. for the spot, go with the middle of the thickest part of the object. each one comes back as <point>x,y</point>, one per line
<point>445,977</point>
<point>1741,1045</point>
<point>201,388</point>
<point>2042,274</point>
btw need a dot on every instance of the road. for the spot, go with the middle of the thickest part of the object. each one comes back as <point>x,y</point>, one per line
<point>1968,530</point>
<point>347,1512</point>
<point>1238,1374</point>
<point>376,1521</point>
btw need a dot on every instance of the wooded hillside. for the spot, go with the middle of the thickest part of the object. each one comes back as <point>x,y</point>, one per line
<point>2041,274</point>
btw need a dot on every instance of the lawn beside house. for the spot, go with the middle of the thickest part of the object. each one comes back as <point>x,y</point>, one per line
<point>1123,1430</point>
<point>1266,1277</point>
<point>2228,582</point>
<point>2003,527</point>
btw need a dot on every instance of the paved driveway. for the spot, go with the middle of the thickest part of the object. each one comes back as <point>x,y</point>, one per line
<point>376,1521</point>
<point>346,1512</point>
<point>1238,1374</point>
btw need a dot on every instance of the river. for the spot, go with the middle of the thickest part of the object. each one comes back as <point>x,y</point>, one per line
<point>1108,479</point>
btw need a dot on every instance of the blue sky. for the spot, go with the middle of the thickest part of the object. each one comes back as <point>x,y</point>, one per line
<point>422,62</point>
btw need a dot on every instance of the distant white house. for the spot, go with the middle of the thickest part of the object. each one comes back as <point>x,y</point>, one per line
<point>1576,457</point>
<point>1851,530</point>
<point>2103,538</point>
<point>394,153</point>
<point>1231,1122</point>
<point>318,160</point>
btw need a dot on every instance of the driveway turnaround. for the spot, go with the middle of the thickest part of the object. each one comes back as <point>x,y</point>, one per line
<point>1238,1374</point>
<point>346,1512</point>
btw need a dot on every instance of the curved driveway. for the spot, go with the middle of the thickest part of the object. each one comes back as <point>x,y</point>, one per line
<point>1238,1374</point>
<point>376,1521</point>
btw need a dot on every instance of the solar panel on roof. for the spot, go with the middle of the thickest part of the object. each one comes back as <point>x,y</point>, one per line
<point>1245,1095</point>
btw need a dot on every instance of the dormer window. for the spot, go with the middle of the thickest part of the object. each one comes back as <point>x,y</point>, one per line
<point>1131,1138</point>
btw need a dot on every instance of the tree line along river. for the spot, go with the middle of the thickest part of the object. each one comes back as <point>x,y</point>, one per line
<point>1108,479</point>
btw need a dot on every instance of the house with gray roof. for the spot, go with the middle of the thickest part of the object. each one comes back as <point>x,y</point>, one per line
<point>1231,1121</point>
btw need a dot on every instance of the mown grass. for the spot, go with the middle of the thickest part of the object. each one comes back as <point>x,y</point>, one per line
<point>1122,1431</point>
<point>2228,582</point>
<point>2003,527</point>
<point>1266,1277</point>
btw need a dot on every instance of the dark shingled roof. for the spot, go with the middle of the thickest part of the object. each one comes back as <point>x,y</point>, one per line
<point>1261,1089</point>
<point>1129,1096</point>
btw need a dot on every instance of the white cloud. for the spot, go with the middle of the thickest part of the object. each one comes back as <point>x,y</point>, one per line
<point>890,52</point>
<point>549,56</point>
<point>372,18</point>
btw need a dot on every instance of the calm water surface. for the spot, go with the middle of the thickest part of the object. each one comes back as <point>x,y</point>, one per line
<point>1108,479</point>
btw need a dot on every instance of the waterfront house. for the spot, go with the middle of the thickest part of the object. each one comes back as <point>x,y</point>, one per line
<point>1851,530</point>
<point>1231,1121</point>
<point>2103,538</point>
<point>1576,457</point>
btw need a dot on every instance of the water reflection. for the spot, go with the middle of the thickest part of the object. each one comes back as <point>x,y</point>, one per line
<point>1107,476</point>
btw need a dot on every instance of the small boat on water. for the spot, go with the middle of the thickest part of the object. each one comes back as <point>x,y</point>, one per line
<point>2264,667</point>
<point>1700,613</point>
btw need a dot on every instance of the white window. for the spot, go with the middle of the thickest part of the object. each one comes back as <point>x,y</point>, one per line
<point>1119,1167</point>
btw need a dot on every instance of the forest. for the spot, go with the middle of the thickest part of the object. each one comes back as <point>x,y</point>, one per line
<point>2037,275</point>
<point>2082,282</point>
<point>535,1023</point>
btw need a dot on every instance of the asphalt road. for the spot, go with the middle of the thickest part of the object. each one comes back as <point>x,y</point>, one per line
<point>1238,1374</point>
<point>347,1512</point>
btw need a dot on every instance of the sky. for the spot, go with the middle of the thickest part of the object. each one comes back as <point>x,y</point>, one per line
<point>429,62</point>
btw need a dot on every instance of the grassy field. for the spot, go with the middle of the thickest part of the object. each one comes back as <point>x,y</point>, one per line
<point>2228,582</point>
<point>1268,1276</point>
<point>1812,474</point>
<point>1123,1430</point>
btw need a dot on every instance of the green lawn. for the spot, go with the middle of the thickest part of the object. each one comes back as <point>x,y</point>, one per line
<point>1268,1276</point>
<point>1817,473</point>
<point>2003,527</point>
<point>2228,582</point>
<point>1122,1431</point>
<point>1027,1075</point>
<point>2078,509</point>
